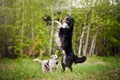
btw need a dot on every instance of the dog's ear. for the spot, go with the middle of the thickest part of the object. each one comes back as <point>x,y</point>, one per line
<point>52,56</point>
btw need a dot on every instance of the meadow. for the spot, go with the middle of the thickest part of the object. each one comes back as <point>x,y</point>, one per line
<point>95,68</point>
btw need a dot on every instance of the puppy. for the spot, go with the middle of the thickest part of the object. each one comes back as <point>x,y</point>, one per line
<point>49,65</point>
<point>64,40</point>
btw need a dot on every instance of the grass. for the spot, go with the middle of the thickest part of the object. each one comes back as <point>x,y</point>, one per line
<point>95,68</point>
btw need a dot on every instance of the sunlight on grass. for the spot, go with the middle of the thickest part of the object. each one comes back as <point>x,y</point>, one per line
<point>95,68</point>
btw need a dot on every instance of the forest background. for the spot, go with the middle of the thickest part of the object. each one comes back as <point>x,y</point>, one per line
<point>27,27</point>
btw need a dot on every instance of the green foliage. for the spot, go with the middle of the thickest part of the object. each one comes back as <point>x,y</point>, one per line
<point>22,21</point>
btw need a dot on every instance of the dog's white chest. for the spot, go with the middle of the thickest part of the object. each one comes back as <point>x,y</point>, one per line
<point>58,41</point>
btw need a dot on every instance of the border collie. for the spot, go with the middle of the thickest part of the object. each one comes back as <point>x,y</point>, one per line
<point>64,34</point>
<point>49,65</point>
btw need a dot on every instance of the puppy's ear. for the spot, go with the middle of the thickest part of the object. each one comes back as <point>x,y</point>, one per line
<point>52,56</point>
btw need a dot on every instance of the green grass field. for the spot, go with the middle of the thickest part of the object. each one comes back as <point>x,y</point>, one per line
<point>95,68</point>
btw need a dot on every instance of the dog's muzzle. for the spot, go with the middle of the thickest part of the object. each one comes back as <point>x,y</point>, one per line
<point>65,21</point>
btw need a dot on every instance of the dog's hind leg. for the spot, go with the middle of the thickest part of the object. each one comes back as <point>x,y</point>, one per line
<point>69,65</point>
<point>50,69</point>
<point>63,68</point>
<point>63,65</point>
<point>70,68</point>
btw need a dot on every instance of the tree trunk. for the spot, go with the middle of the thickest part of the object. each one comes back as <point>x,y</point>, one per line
<point>5,49</point>
<point>69,6</point>
<point>32,27</point>
<point>5,40</point>
<point>81,37</point>
<point>22,31</point>
<point>51,37</point>
<point>87,39</point>
<point>93,44</point>
<point>81,41</point>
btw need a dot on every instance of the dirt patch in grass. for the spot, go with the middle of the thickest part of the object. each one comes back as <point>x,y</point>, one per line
<point>113,74</point>
<point>5,67</point>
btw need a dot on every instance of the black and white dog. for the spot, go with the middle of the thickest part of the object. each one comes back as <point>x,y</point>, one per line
<point>49,65</point>
<point>64,40</point>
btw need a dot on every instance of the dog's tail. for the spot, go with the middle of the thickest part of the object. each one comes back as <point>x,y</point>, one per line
<point>38,60</point>
<point>79,59</point>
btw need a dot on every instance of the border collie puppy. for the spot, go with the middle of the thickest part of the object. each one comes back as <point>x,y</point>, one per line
<point>49,65</point>
<point>64,40</point>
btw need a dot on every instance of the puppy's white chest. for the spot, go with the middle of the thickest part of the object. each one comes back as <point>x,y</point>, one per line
<point>65,25</point>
